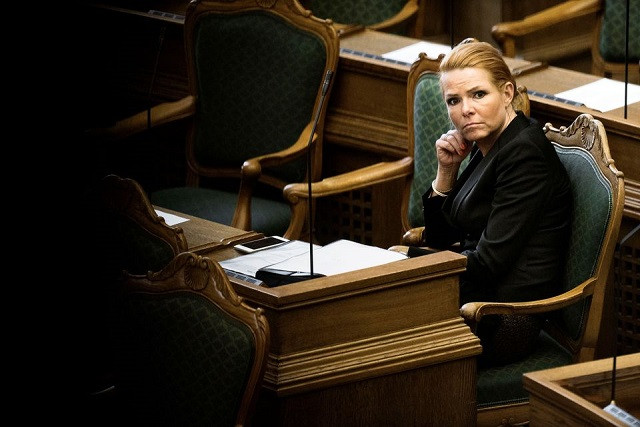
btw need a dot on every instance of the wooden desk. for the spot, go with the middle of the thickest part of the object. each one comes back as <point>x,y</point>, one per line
<point>366,120</point>
<point>206,237</point>
<point>371,347</point>
<point>575,395</point>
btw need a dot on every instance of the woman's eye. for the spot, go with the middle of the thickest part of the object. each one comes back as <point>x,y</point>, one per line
<point>452,101</point>
<point>479,94</point>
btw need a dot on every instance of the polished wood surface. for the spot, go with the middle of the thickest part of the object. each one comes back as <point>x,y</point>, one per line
<point>374,346</point>
<point>575,395</point>
<point>206,237</point>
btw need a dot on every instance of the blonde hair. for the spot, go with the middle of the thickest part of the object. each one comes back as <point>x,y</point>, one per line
<point>471,53</point>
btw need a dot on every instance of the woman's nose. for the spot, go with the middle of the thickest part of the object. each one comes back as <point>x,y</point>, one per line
<point>467,106</point>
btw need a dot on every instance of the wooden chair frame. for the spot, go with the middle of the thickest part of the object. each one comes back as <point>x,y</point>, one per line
<point>506,33</point>
<point>126,197</point>
<point>586,134</point>
<point>191,273</point>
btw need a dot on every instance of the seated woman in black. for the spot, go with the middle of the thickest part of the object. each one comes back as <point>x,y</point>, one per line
<point>510,207</point>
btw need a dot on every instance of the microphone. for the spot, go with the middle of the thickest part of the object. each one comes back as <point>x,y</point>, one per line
<point>274,277</point>
<point>325,89</point>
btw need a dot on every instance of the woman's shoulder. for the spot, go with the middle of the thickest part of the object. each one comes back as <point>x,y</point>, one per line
<point>530,141</point>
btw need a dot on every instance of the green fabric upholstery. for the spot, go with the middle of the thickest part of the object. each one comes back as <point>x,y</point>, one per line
<point>250,103</point>
<point>503,384</point>
<point>592,208</point>
<point>268,216</point>
<point>185,361</point>
<point>612,33</point>
<point>363,12</point>
<point>430,121</point>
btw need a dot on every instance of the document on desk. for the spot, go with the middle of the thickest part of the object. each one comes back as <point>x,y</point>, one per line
<point>249,264</point>
<point>409,54</point>
<point>170,219</point>
<point>603,95</point>
<point>338,257</point>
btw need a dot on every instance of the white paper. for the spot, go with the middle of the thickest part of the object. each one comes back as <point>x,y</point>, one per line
<point>249,264</point>
<point>603,95</point>
<point>171,219</point>
<point>409,54</point>
<point>340,256</point>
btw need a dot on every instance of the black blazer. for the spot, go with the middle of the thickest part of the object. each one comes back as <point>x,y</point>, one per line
<point>510,211</point>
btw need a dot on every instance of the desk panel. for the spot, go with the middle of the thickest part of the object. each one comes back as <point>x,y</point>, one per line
<point>370,347</point>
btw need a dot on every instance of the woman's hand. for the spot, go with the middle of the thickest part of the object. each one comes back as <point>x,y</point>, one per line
<point>452,149</point>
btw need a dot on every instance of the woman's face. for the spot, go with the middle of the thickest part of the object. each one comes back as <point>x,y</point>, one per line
<point>479,110</point>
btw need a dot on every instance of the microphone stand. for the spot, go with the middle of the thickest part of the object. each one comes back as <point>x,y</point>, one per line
<point>626,60</point>
<point>276,277</point>
<point>325,88</point>
<point>612,408</point>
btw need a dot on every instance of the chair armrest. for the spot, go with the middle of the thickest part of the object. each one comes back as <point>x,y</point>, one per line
<point>298,194</point>
<point>474,311</point>
<point>251,172</point>
<point>413,237</point>
<point>252,168</point>
<point>505,32</point>
<point>160,114</point>
<point>363,177</point>
<point>408,10</point>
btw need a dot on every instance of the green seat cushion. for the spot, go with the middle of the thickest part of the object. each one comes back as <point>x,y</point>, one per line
<point>503,384</point>
<point>267,216</point>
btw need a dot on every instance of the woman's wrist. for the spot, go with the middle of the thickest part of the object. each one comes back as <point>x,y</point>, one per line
<point>438,192</point>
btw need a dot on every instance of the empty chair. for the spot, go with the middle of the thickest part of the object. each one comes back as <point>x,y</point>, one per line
<point>191,352</point>
<point>121,231</point>
<point>256,75</point>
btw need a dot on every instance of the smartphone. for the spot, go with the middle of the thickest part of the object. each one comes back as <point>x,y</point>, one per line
<point>260,244</point>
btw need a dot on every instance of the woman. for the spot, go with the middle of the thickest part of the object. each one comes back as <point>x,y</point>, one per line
<point>509,209</point>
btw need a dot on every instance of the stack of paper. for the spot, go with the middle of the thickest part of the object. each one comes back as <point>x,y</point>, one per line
<point>338,257</point>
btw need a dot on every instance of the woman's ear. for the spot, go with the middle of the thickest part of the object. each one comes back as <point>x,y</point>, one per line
<point>508,91</point>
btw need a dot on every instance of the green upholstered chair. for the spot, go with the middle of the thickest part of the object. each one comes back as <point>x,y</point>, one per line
<point>572,319</point>
<point>191,352</point>
<point>398,16</point>
<point>121,231</point>
<point>256,71</point>
<point>608,41</point>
